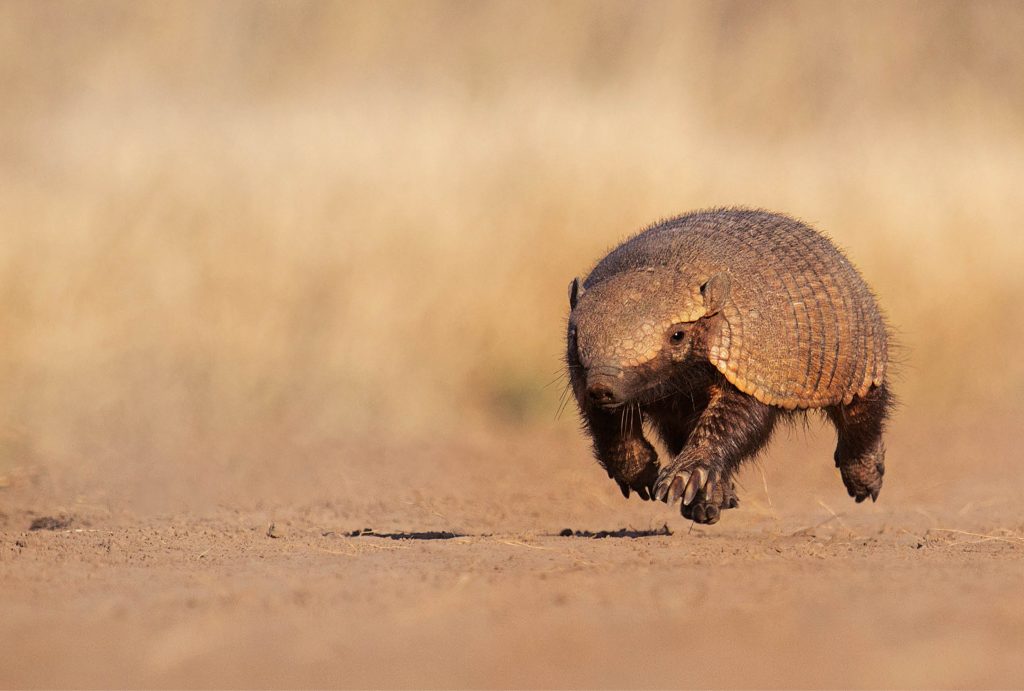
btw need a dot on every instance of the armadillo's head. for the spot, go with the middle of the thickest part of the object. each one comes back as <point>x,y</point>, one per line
<point>631,333</point>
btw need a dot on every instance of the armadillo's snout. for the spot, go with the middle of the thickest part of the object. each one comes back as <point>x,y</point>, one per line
<point>601,394</point>
<point>604,388</point>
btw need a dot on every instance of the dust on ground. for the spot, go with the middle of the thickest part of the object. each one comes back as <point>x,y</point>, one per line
<point>511,561</point>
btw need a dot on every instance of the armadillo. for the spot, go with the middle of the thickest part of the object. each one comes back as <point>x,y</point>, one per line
<point>711,327</point>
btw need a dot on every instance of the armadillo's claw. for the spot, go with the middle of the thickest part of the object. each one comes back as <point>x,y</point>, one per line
<point>642,485</point>
<point>685,484</point>
<point>873,493</point>
<point>696,482</point>
<point>704,493</point>
<point>678,487</point>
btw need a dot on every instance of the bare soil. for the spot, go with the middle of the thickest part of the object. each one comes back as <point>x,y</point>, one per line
<point>507,561</point>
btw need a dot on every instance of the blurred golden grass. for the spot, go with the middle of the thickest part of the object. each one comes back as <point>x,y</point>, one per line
<point>235,230</point>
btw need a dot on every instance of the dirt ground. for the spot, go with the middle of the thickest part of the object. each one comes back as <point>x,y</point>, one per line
<point>443,565</point>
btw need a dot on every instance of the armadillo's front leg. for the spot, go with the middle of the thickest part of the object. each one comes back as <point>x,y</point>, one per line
<point>733,427</point>
<point>622,450</point>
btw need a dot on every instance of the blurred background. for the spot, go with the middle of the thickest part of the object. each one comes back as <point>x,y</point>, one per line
<point>238,236</point>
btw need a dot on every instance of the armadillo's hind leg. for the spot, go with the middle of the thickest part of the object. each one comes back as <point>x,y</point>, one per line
<point>860,453</point>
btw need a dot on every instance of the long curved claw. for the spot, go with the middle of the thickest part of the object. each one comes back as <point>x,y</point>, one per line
<point>644,491</point>
<point>678,486</point>
<point>695,483</point>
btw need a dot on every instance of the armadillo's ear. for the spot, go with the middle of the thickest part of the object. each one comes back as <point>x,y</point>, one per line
<point>715,291</point>
<point>575,292</point>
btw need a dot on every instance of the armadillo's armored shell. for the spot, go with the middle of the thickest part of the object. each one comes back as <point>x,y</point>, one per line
<point>800,328</point>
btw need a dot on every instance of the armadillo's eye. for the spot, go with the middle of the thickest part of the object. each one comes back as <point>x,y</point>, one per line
<point>676,333</point>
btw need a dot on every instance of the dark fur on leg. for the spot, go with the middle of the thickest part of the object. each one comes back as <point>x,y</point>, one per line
<point>675,418</point>
<point>622,450</point>
<point>860,453</point>
<point>731,428</point>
